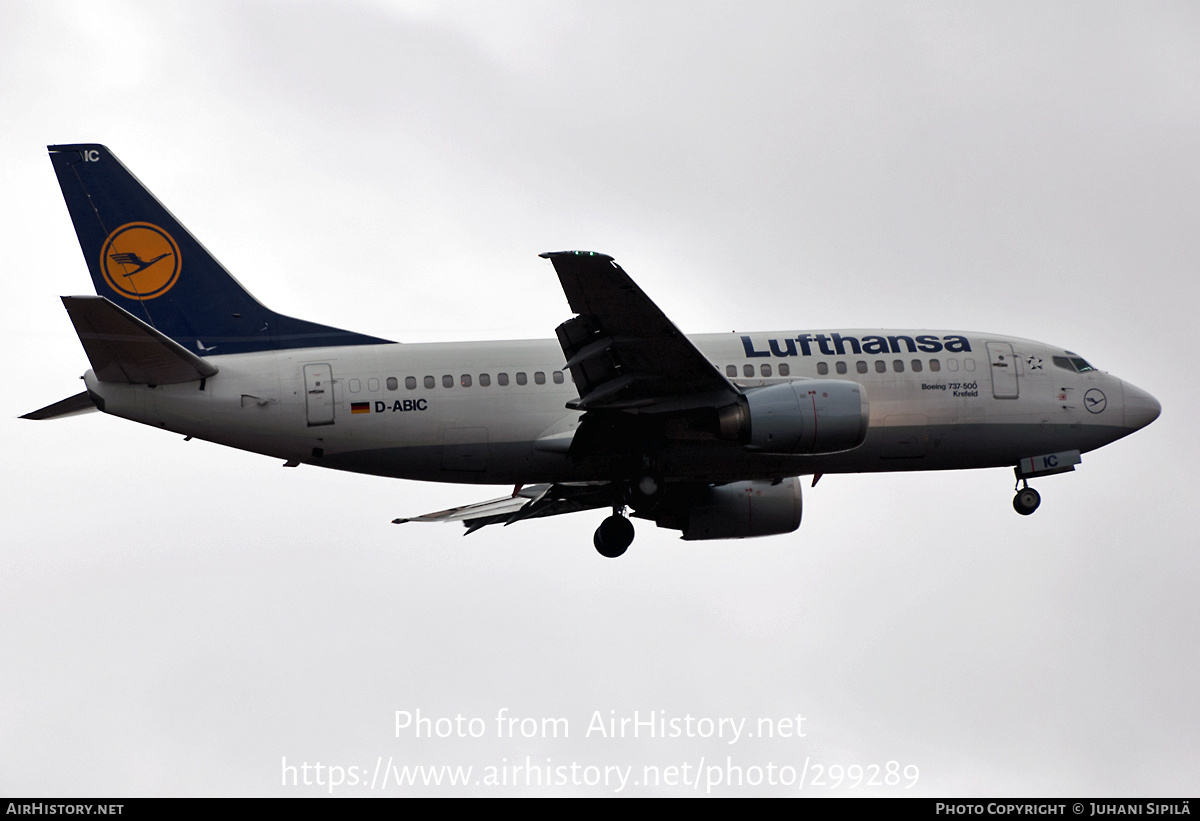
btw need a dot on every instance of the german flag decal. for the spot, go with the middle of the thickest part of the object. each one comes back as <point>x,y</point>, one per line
<point>360,407</point>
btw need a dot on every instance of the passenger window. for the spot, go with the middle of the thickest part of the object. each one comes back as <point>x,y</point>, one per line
<point>898,365</point>
<point>501,379</point>
<point>916,366</point>
<point>952,364</point>
<point>539,378</point>
<point>880,366</point>
<point>429,382</point>
<point>841,367</point>
<point>447,381</point>
<point>748,370</point>
<point>558,377</point>
<point>522,378</point>
<point>784,369</point>
<point>410,382</point>
<point>373,385</point>
<point>731,370</point>
<point>465,380</point>
<point>969,364</point>
<point>392,383</point>
<point>822,368</point>
<point>355,386</point>
<point>860,366</point>
<point>485,379</point>
<point>935,365</point>
<point>765,370</point>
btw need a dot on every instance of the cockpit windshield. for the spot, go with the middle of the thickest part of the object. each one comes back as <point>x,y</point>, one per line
<point>1073,363</point>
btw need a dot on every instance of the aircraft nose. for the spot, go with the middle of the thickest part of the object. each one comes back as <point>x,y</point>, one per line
<point>1140,407</point>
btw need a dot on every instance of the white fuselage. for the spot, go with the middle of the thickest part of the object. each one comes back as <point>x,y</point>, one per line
<point>494,412</point>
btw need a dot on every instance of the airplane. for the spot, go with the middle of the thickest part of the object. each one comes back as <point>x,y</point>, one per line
<point>708,434</point>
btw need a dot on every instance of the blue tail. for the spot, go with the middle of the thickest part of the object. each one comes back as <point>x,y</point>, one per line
<point>145,261</point>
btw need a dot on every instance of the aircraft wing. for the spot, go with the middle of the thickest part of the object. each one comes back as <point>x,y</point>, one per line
<point>529,502</point>
<point>623,352</point>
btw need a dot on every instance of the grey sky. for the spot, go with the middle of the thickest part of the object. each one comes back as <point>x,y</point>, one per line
<point>177,618</point>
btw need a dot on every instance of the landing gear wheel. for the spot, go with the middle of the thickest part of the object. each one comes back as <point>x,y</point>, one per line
<point>614,536</point>
<point>1026,501</point>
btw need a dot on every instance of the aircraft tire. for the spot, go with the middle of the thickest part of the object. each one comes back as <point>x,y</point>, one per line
<point>613,537</point>
<point>1026,501</point>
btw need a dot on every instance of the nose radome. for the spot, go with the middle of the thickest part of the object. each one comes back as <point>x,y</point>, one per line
<point>1140,407</point>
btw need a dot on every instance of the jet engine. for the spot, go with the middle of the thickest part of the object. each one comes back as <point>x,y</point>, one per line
<point>806,416</point>
<point>737,510</point>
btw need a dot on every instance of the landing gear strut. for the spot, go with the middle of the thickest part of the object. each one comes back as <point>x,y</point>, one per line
<point>1027,499</point>
<point>614,536</point>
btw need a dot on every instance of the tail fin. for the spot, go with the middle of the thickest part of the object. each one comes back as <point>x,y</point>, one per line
<point>143,260</point>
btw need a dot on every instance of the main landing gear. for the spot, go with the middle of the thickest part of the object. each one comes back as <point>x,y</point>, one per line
<point>642,493</point>
<point>614,535</point>
<point>1027,499</point>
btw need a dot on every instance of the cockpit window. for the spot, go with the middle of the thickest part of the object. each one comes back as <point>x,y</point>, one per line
<point>1073,363</point>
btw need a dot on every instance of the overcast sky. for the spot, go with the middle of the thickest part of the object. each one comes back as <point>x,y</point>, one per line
<point>179,618</point>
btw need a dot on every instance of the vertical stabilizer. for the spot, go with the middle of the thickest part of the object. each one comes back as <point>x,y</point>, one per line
<point>144,261</point>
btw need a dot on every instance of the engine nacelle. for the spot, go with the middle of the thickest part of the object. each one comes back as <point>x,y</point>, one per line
<point>738,510</point>
<point>741,510</point>
<point>805,416</point>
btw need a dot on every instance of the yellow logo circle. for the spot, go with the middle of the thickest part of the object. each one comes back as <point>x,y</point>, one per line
<point>140,261</point>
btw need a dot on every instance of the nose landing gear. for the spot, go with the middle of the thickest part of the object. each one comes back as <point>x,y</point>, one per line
<point>1027,499</point>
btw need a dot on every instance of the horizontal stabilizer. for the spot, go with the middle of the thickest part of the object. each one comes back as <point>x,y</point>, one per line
<point>122,348</point>
<point>79,403</point>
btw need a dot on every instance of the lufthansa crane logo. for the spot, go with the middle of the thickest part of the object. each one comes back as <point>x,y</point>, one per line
<point>1095,400</point>
<point>140,261</point>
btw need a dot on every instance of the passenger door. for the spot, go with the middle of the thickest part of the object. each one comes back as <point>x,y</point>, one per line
<point>318,394</point>
<point>1004,370</point>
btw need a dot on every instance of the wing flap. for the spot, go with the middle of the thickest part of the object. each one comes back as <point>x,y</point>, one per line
<point>530,502</point>
<point>504,506</point>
